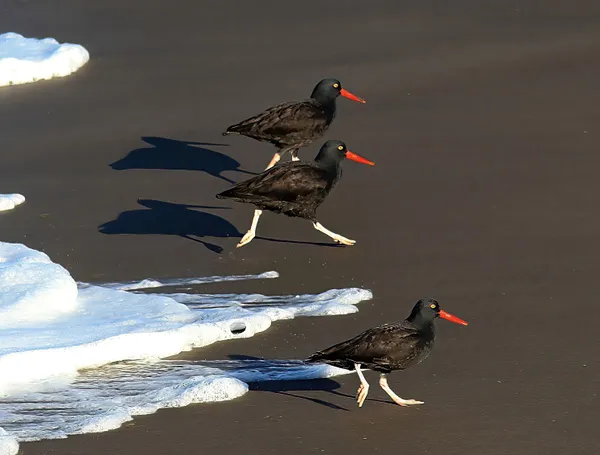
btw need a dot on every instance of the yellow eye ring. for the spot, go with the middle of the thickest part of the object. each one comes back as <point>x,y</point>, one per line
<point>340,147</point>
<point>432,305</point>
<point>336,85</point>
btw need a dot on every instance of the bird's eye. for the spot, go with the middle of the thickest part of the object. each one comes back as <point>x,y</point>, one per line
<point>432,306</point>
<point>340,147</point>
<point>336,85</point>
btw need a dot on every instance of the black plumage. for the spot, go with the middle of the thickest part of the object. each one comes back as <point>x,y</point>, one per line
<point>383,348</point>
<point>295,124</point>
<point>389,347</point>
<point>295,189</point>
<point>290,124</point>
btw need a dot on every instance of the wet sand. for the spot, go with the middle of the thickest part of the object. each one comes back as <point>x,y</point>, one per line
<point>483,123</point>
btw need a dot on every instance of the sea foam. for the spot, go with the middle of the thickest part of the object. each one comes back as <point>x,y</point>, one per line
<point>24,60</point>
<point>80,358</point>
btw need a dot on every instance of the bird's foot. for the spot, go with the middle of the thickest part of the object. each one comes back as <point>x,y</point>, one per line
<point>247,238</point>
<point>361,394</point>
<point>402,402</point>
<point>336,237</point>
<point>343,240</point>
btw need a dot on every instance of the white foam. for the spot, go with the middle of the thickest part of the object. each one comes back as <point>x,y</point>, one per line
<point>8,444</point>
<point>54,330</point>
<point>24,60</point>
<point>103,399</point>
<point>150,283</point>
<point>10,201</point>
<point>33,290</point>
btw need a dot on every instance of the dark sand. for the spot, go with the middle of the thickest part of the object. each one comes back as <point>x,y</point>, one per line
<point>484,124</point>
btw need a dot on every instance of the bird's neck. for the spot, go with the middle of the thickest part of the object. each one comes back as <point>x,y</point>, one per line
<point>329,163</point>
<point>326,101</point>
<point>421,324</point>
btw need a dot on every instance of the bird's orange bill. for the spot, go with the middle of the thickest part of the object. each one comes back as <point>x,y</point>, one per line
<point>452,318</point>
<point>358,158</point>
<point>351,96</point>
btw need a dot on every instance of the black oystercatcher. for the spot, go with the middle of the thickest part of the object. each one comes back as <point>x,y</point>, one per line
<point>289,126</point>
<point>295,188</point>
<point>388,347</point>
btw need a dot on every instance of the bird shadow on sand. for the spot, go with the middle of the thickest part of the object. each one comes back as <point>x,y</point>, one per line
<point>289,387</point>
<point>299,242</point>
<point>171,154</point>
<point>167,218</point>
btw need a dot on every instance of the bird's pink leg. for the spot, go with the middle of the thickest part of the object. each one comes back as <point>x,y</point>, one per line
<point>252,231</point>
<point>279,154</point>
<point>400,401</point>
<point>337,237</point>
<point>363,388</point>
<point>274,161</point>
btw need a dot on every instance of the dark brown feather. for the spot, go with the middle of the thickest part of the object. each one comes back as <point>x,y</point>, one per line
<point>294,188</point>
<point>383,348</point>
<point>293,123</point>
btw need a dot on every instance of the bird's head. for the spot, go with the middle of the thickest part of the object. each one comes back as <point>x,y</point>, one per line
<point>328,90</point>
<point>336,151</point>
<point>428,309</point>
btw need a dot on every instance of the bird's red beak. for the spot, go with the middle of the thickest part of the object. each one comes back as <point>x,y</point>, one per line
<point>351,96</point>
<point>358,158</point>
<point>452,318</point>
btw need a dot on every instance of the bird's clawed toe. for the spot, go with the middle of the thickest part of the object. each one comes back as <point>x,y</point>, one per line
<point>359,391</point>
<point>361,394</point>
<point>410,402</point>
<point>344,241</point>
<point>246,239</point>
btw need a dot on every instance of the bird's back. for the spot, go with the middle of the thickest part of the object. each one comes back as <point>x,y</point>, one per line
<point>383,348</point>
<point>289,123</point>
<point>294,188</point>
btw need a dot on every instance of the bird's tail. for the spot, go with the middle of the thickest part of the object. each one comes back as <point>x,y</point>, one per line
<point>227,194</point>
<point>233,129</point>
<point>322,357</point>
<point>317,357</point>
<point>237,193</point>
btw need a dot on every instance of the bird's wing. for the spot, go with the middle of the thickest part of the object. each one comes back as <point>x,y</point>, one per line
<point>290,118</point>
<point>374,344</point>
<point>283,119</point>
<point>289,182</point>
